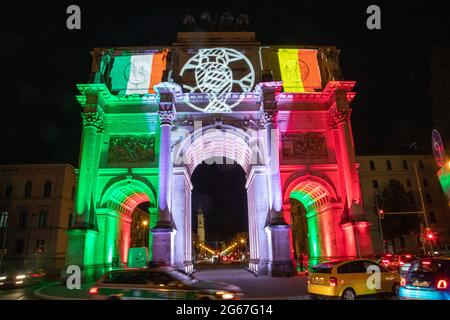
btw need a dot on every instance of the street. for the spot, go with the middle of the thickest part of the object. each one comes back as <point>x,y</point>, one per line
<point>255,287</point>
<point>25,293</point>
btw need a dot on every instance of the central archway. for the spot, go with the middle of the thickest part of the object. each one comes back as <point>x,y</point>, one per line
<point>227,144</point>
<point>219,206</point>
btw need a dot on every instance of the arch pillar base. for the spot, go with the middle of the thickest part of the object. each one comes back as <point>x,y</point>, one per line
<point>163,245</point>
<point>81,253</point>
<point>280,261</point>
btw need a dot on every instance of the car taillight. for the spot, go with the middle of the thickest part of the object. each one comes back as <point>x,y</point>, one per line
<point>333,282</point>
<point>93,290</point>
<point>442,284</point>
<point>402,281</point>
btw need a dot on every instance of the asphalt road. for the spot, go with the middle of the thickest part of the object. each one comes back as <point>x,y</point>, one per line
<point>24,293</point>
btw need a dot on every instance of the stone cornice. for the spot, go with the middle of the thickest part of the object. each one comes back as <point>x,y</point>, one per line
<point>325,96</point>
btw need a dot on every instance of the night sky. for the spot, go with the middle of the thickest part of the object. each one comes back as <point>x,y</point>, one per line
<point>41,61</point>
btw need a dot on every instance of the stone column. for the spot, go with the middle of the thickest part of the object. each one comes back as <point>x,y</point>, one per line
<point>92,129</point>
<point>153,217</point>
<point>278,231</point>
<point>340,123</point>
<point>164,231</point>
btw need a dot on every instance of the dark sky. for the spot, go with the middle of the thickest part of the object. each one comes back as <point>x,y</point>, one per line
<point>41,61</point>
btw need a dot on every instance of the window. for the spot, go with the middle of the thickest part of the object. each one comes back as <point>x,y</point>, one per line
<point>425,182</point>
<point>375,184</point>
<point>372,165</point>
<point>421,165</point>
<point>47,189</point>
<point>8,191</point>
<point>405,164</point>
<point>72,197</point>
<point>40,243</point>
<point>127,278</point>
<point>408,183</point>
<point>432,216</point>
<point>373,266</point>
<point>27,191</point>
<point>69,225</point>
<point>352,267</point>
<point>428,198</point>
<point>23,219</point>
<point>43,219</point>
<point>388,165</point>
<point>19,247</point>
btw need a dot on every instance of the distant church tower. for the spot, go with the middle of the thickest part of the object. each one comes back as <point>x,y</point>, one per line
<point>201,226</point>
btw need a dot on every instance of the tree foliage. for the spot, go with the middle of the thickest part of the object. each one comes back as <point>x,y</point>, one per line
<point>394,198</point>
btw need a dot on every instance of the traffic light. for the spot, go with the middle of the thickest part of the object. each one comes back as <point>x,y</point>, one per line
<point>430,235</point>
<point>381,214</point>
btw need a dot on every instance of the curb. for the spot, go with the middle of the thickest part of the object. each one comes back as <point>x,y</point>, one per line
<point>44,296</point>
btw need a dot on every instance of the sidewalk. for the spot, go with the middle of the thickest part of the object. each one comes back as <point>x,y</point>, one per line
<point>56,291</point>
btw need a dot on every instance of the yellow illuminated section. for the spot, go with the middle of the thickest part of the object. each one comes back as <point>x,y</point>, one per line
<point>290,70</point>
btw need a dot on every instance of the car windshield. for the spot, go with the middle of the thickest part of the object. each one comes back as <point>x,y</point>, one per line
<point>184,278</point>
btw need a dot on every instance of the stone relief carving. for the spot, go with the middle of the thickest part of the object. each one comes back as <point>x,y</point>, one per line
<point>131,149</point>
<point>304,145</point>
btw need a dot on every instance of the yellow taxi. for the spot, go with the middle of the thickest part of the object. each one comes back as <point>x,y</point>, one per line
<point>349,279</point>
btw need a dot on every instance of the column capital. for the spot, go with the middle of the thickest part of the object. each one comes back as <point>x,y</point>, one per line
<point>269,92</point>
<point>337,117</point>
<point>166,115</point>
<point>166,105</point>
<point>93,119</point>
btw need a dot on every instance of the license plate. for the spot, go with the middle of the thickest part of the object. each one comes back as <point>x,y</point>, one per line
<point>318,280</point>
<point>420,284</point>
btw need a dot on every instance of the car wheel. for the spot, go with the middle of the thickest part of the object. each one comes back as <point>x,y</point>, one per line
<point>348,294</point>
<point>395,289</point>
<point>114,298</point>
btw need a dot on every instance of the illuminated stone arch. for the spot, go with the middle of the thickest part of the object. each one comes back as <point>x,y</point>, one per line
<point>124,194</point>
<point>313,191</point>
<point>227,142</point>
<point>317,197</point>
<point>118,201</point>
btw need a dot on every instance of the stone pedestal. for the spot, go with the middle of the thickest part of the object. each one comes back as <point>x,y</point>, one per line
<point>280,263</point>
<point>81,253</point>
<point>163,245</point>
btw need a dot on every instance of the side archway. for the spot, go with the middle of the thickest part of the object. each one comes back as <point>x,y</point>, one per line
<point>310,210</point>
<point>117,203</point>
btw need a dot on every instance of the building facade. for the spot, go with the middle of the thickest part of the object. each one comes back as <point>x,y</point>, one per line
<point>201,226</point>
<point>377,170</point>
<point>151,115</point>
<point>39,200</point>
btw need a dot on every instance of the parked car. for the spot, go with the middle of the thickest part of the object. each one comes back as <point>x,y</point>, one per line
<point>21,277</point>
<point>402,262</point>
<point>348,279</point>
<point>386,260</point>
<point>428,279</point>
<point>159,283</point>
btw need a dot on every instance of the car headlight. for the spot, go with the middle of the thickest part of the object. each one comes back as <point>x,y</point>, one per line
<point>20,276</point>
<point>2,278</point>
<point>225,295</point>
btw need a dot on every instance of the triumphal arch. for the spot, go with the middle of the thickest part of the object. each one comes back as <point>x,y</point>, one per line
<point>151,115</point>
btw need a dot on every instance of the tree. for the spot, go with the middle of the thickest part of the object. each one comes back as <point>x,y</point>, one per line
<point>394,198</point>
